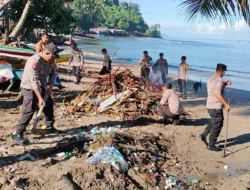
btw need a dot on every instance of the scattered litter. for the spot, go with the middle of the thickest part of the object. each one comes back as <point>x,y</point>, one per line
<point>111,156</point>
<point>13,169</point>
<point>81,136</point>
<point>62,154</point>
<point>226,167</point>
<point>95,131</point>
<point>170,183</point>
<point>49,162</point>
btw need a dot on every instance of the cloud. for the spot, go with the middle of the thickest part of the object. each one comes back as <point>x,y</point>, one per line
<point>241,25</point>
<point>219,29</point>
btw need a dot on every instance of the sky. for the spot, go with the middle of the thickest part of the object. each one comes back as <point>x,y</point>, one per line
<point>173,24</point>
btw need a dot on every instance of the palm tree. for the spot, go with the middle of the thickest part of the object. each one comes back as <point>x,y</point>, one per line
<point>22,20</point>
<point>226,10</point>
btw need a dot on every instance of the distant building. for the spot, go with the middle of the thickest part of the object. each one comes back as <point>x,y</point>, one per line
<point>104,31</point>
<point>117,32</point>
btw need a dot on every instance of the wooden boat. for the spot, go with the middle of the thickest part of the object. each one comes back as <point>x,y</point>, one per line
<point>17,57</point>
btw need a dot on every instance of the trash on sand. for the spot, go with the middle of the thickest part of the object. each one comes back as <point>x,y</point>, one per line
<point>109,155</point>
<point>103,130</point>
<point>61,154</point>
<point>80,136</point>
<point>195,181</point>
<point>226,167</point>
<point>27,156</point>
<point>170,183</point>
<point>73,158</point>
<point>13,169</point>
<point>111,100</point>
<point>49,162</point>
<point>95,131</point>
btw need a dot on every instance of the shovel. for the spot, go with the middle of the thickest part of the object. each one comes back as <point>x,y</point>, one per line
<point>38,116</point>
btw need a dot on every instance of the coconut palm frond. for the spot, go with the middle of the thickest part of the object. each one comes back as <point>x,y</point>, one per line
<point>211,9</point>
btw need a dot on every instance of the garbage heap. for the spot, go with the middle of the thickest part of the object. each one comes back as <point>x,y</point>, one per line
<point>120,94</point>
<point>141,156</point>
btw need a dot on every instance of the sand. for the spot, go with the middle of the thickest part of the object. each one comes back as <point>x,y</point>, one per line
<point>185,142</point>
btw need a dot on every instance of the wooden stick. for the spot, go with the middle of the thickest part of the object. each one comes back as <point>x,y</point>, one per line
<point>225,144</point>
<point>198,172</point>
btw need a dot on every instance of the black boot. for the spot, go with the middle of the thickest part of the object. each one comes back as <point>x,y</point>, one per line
<point>204,139</point>
<point>20,139</point>
<point>52,129</point>
<point>61,87</point>
<point>213,148</point>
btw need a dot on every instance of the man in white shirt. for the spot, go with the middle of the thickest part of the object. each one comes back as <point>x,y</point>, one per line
<point>155,79</point>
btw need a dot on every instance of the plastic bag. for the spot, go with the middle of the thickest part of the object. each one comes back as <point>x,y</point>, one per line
<point>5,72</point>
<point>109,155</point>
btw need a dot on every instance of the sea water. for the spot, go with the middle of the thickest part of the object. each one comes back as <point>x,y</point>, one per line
<point>202,55</point>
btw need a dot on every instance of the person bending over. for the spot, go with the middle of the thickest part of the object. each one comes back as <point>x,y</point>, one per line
<point>169,106</point>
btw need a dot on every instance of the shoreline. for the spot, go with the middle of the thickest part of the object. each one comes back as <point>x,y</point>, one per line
<point>195,75</point>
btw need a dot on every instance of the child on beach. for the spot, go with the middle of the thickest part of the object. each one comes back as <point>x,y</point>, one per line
<point>183,77</point>
<point>106,63</point>
<point>155,79</point>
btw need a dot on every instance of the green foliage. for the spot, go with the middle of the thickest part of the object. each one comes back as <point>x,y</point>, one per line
<point>227,10</point>
<point>110,14</point>
<point>52,15</point>
<point>154,31</point>
<point>59,16</point>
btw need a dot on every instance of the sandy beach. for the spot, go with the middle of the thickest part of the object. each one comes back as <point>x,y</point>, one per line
<point>195,160</point>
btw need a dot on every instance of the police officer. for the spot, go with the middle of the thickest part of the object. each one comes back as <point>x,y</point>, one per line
<point>145,63</point>
<point>77,61</point>
<point>215,102</point>
<point>34,87</point>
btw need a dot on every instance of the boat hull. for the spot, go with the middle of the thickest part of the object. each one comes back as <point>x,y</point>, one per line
<point>17,57</point>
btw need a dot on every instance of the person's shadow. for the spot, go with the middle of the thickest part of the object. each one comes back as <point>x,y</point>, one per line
<point>242,139</point>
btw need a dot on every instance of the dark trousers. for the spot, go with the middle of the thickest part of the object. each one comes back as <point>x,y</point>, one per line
<point>104,71</point>
<point>30,105</point>
<point>215,125</point>
<point>145,72</point>
<point>182,86</point>
<point>165,111</point>
<point>164,78</point>
<point>76,71</point>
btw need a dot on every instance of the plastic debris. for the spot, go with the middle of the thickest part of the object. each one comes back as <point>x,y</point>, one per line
<point>95,131</point>
<point>61,154</point>
<point>103,130</point>
<point>13,169</point>
<point>80,136</point>
<point>109,155</point>
<point>27,156</point>
<point>170,183</point>
<point>226,167</point>
<point>195,181</point>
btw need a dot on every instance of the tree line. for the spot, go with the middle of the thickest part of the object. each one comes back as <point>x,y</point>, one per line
<point>61,16</point>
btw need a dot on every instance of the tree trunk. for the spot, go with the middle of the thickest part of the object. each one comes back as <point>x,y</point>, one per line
<point>22,20</point>
<point>5,4</point>
<point>7,28</point>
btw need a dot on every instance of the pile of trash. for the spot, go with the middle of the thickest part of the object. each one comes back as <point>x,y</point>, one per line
<point>136,153</point>
<point>120,94</point>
